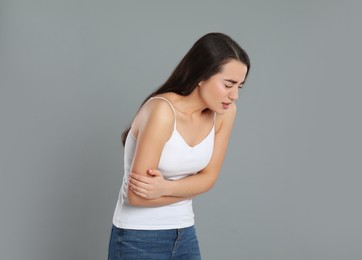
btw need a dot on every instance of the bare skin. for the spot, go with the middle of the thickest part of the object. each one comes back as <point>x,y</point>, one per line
<point>153,126</point>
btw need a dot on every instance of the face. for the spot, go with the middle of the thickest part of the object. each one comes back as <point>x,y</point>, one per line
<point>221,90</point>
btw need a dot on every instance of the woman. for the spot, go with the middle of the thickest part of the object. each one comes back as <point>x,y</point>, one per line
<point>174,150</point>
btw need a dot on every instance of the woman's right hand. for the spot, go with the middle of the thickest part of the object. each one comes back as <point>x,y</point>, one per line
<point>152,186</point>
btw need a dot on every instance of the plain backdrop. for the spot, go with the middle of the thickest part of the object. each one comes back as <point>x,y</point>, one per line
<point>73,73</point>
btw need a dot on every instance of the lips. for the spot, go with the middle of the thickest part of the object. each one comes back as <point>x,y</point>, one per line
<point>225,105</point>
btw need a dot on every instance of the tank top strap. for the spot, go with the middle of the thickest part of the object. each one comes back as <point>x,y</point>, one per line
<point>173,109</point>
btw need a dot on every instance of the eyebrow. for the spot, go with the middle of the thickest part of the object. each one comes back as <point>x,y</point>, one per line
<point>234,82</point>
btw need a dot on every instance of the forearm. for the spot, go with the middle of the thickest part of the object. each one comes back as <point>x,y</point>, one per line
<point>138,201</point>
<point>149,188</point>
<point>192,185</point>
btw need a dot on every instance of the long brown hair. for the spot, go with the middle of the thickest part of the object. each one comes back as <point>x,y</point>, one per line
<point>205,59</point>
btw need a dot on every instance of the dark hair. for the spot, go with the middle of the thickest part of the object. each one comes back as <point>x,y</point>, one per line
<point>205,59</point>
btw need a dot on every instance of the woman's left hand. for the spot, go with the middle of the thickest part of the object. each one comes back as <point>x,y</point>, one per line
<point>150,187</point>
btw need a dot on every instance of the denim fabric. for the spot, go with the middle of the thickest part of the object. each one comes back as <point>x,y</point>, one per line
<point>174,244</point>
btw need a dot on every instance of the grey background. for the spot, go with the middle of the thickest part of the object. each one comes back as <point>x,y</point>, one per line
<point>73,72</point>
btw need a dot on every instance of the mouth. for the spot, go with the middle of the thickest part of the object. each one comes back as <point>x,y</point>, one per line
<point>225,105</point>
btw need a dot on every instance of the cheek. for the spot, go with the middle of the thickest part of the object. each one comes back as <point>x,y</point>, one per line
<point>219,91</point>
<point>214,92</point>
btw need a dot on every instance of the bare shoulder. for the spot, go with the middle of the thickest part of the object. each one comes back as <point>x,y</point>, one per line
<point>155,113</point>
<point>225,121</point>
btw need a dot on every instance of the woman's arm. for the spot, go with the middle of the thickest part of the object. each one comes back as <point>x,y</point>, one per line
<point>149,187</point>
<point>152,126</point>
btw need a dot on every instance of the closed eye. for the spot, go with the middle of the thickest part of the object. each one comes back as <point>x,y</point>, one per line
<point>233,82</point>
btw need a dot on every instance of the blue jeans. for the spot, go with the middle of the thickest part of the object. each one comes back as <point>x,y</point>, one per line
<point>128,244</point>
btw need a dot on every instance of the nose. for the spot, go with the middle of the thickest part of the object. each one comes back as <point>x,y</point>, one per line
<point>234,94</point>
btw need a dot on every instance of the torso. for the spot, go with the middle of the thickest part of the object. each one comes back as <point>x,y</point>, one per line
<point>178,160</point>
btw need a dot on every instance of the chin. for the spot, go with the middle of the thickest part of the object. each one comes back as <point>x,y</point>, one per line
<point>220,111</point>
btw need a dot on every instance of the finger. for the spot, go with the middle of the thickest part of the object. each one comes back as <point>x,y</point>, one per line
<point>140,177</point>
<point>139,184</point>
<point>138,191</point>
<point>141,195</point>
<point>153,172</point>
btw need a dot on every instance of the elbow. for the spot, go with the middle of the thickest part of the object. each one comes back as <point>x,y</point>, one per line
<point>204,189</point>
<point>209,185</point>
<point>208,180</point>
<point>133,199</point>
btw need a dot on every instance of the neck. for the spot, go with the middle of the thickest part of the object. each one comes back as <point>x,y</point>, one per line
<point>191,105</point>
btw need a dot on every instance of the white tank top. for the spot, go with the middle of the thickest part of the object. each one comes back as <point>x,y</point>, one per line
<point>178,160</point>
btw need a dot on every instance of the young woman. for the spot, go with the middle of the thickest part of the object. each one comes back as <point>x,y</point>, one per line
<point>174,150</point>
